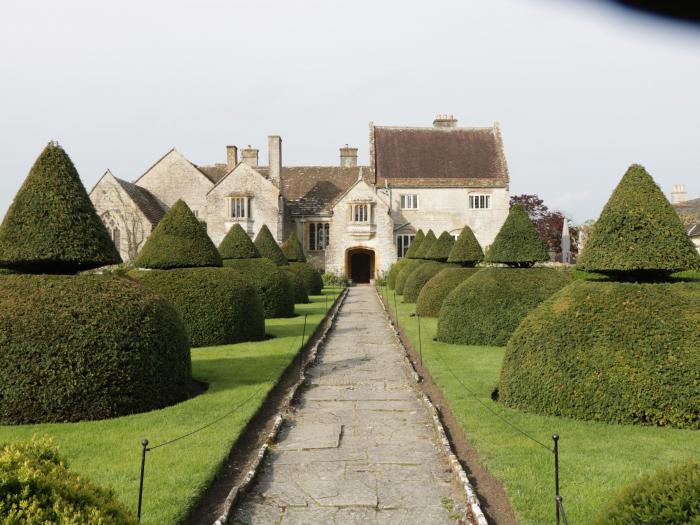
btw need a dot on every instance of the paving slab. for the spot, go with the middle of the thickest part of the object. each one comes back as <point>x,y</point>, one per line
<point>360,447</point>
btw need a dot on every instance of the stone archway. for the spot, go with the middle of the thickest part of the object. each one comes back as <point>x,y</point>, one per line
<point>359,265</point>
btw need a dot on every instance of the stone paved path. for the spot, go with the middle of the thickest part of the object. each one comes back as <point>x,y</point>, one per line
<point>360,447</point>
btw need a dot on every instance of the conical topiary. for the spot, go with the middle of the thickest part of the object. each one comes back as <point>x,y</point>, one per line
<point>425,246</point>
<point>517,243</point>
<point>179,241</point>
<point>413,248</point>
<point>51,226</point>
<point>292,249</point>
<point>466,250</point>
<point>440,250</point>
<point>237,245</point>
<point>638,232</point>
<point>268,247</point>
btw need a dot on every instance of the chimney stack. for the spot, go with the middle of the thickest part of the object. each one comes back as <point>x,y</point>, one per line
<point>249,156</point>
<point>348,157</point>
<point>274,158</point>
<point>231,157</point>
<point>445,121</point>
<point>678,194</point>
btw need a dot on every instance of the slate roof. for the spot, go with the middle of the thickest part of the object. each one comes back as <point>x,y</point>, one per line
<point>310,190</point>
<point>145,201</point>
<point>215,172</point>
<point>441,157</point>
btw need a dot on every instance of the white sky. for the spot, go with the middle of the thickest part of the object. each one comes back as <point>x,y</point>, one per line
<point>580,90</point>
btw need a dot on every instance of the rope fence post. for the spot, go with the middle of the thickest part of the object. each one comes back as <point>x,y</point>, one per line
<point>420,342</point>
<point>303,333</point>
<point>557,497</point>
<point>396,312</point>
<point>144,449</point>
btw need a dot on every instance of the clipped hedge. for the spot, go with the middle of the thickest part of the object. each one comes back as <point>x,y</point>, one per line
<point>486,308</point>
<point>441,248</point>
<point>671,496</point>
<point>217,305</point>
<point>36,488</point>
<point>517,244</point>
<point>394,272</point>
<point>415,245</point>
<point>301,296</point>
<point>425,245</point>
<point>403,274</point>
<point>87,347</point>
<point>292,249</point>
<point>273,285</point>
<point>268,247</point>
<point>436,289</point>
<point>607,351</point>
<point>237,245</point>
<point>310,276</point>
<point>466,249</point>
<point>418,279</point>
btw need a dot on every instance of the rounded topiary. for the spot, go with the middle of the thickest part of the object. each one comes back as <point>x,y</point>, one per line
<point>670,496</point>
<point>466,249</point>
<point>638,232</point>
<point>37,489</point>
<point>78,347</point>
<point>440,250</point>
<point>301,296</point>
<point>425,245</point>
<point>415,245</point>
<point>313,282</point>
<point>405,271</point>
<point>486,308</point>
<point>418,279</point>
<point>436,289</point>
<point>292,249</point>
<point>217,305</point>
<point>237,245</point>
<point>273,285</point>
<point>179,241</point>
<point>268,247</point>
<point>52,226</point>
<point>517,244</point>
<point>394,272</point>
<point>609,351</point>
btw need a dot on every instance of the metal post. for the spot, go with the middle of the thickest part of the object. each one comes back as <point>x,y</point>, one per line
<point>325,300</point>
<point>303,333</point>
<point>555,437</point>
<point>396,312</point>
<point>420,342</point>
<point>144,449</point>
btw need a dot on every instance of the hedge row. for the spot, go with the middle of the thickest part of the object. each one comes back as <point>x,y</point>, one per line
<point>418,279</point>
<point>436,289</point>
<point>606,351</point>
<point>273,285</point>
<point>301,296</point>
<point>405,271</point>
<point>217,305</point>
<point>486,308</point>
<point>268,247</point>
<point>394,272</point>
<point>518,243</point>
<point>87,347</point>
<point>310,276</point>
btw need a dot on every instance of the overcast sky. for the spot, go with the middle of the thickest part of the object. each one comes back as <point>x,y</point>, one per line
<point>580,90</point>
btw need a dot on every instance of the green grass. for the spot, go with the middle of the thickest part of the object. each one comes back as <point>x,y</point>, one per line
<point>108,452</point>
<point>596,459</point>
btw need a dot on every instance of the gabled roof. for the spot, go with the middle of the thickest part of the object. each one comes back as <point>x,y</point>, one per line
<point>176,152</point>
<point>411,156</point>
<point>215,172</point>
<point>144,200</point>
<point>311,190</point>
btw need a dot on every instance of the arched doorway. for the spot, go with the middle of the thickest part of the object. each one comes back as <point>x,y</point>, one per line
<point>359,263</point>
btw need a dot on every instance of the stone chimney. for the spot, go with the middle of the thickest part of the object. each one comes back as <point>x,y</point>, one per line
<point>445,121</point>
<point>274,158</point>
<point>231,157</point>
<point>348,157</point>
<point>249,156</point>
<point>678,194</point>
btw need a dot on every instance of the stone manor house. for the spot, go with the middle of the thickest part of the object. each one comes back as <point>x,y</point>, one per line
<point>350,219</point>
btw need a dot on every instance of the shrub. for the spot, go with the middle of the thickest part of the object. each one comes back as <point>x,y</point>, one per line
<point>38,489</point>
<point>301,296</point>
<point>425,245</point>
<point>638,231</point>
<point>466,250</point>
<point>517,243</point>
<point>607,351</point>
<point>405,271</point>
<point>334,279</point>
<point>415,245</point>
<point>51,226</point>
<point>313,282</point>
<point>670,496</point>
<point>419,277</point>
<point>217,305</point>
<point>274,286</point>
<point>87,347</point>
<point>268,247</point>
<point>179,241</point>
<point>486,308</point>
<point>436,289</point>
<point>440,250</point>
<point>292,249</point>
<point>394,272</point>
<point>237,245</point>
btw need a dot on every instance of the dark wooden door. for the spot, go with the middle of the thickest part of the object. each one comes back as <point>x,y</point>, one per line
<point>360,267</point>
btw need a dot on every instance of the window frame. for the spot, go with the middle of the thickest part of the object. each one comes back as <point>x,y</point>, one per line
<point>479,201</point>
<point>401,247</point>
<point>317,235</point>
<point>408,198</point>
<point>238,207</point>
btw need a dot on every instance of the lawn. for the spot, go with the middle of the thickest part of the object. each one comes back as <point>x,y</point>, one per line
<point>596,459</point>
<point>108,452</point>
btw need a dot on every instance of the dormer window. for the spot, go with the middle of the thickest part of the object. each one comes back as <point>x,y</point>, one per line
<point>239,207</point>
<point>479,202</point>
<point>360,212</point>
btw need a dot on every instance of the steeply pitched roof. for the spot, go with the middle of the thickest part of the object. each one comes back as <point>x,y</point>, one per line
<point>439,156</point>
<point>310,190</point>
<point>214,173</point>
<point>145,201</point>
